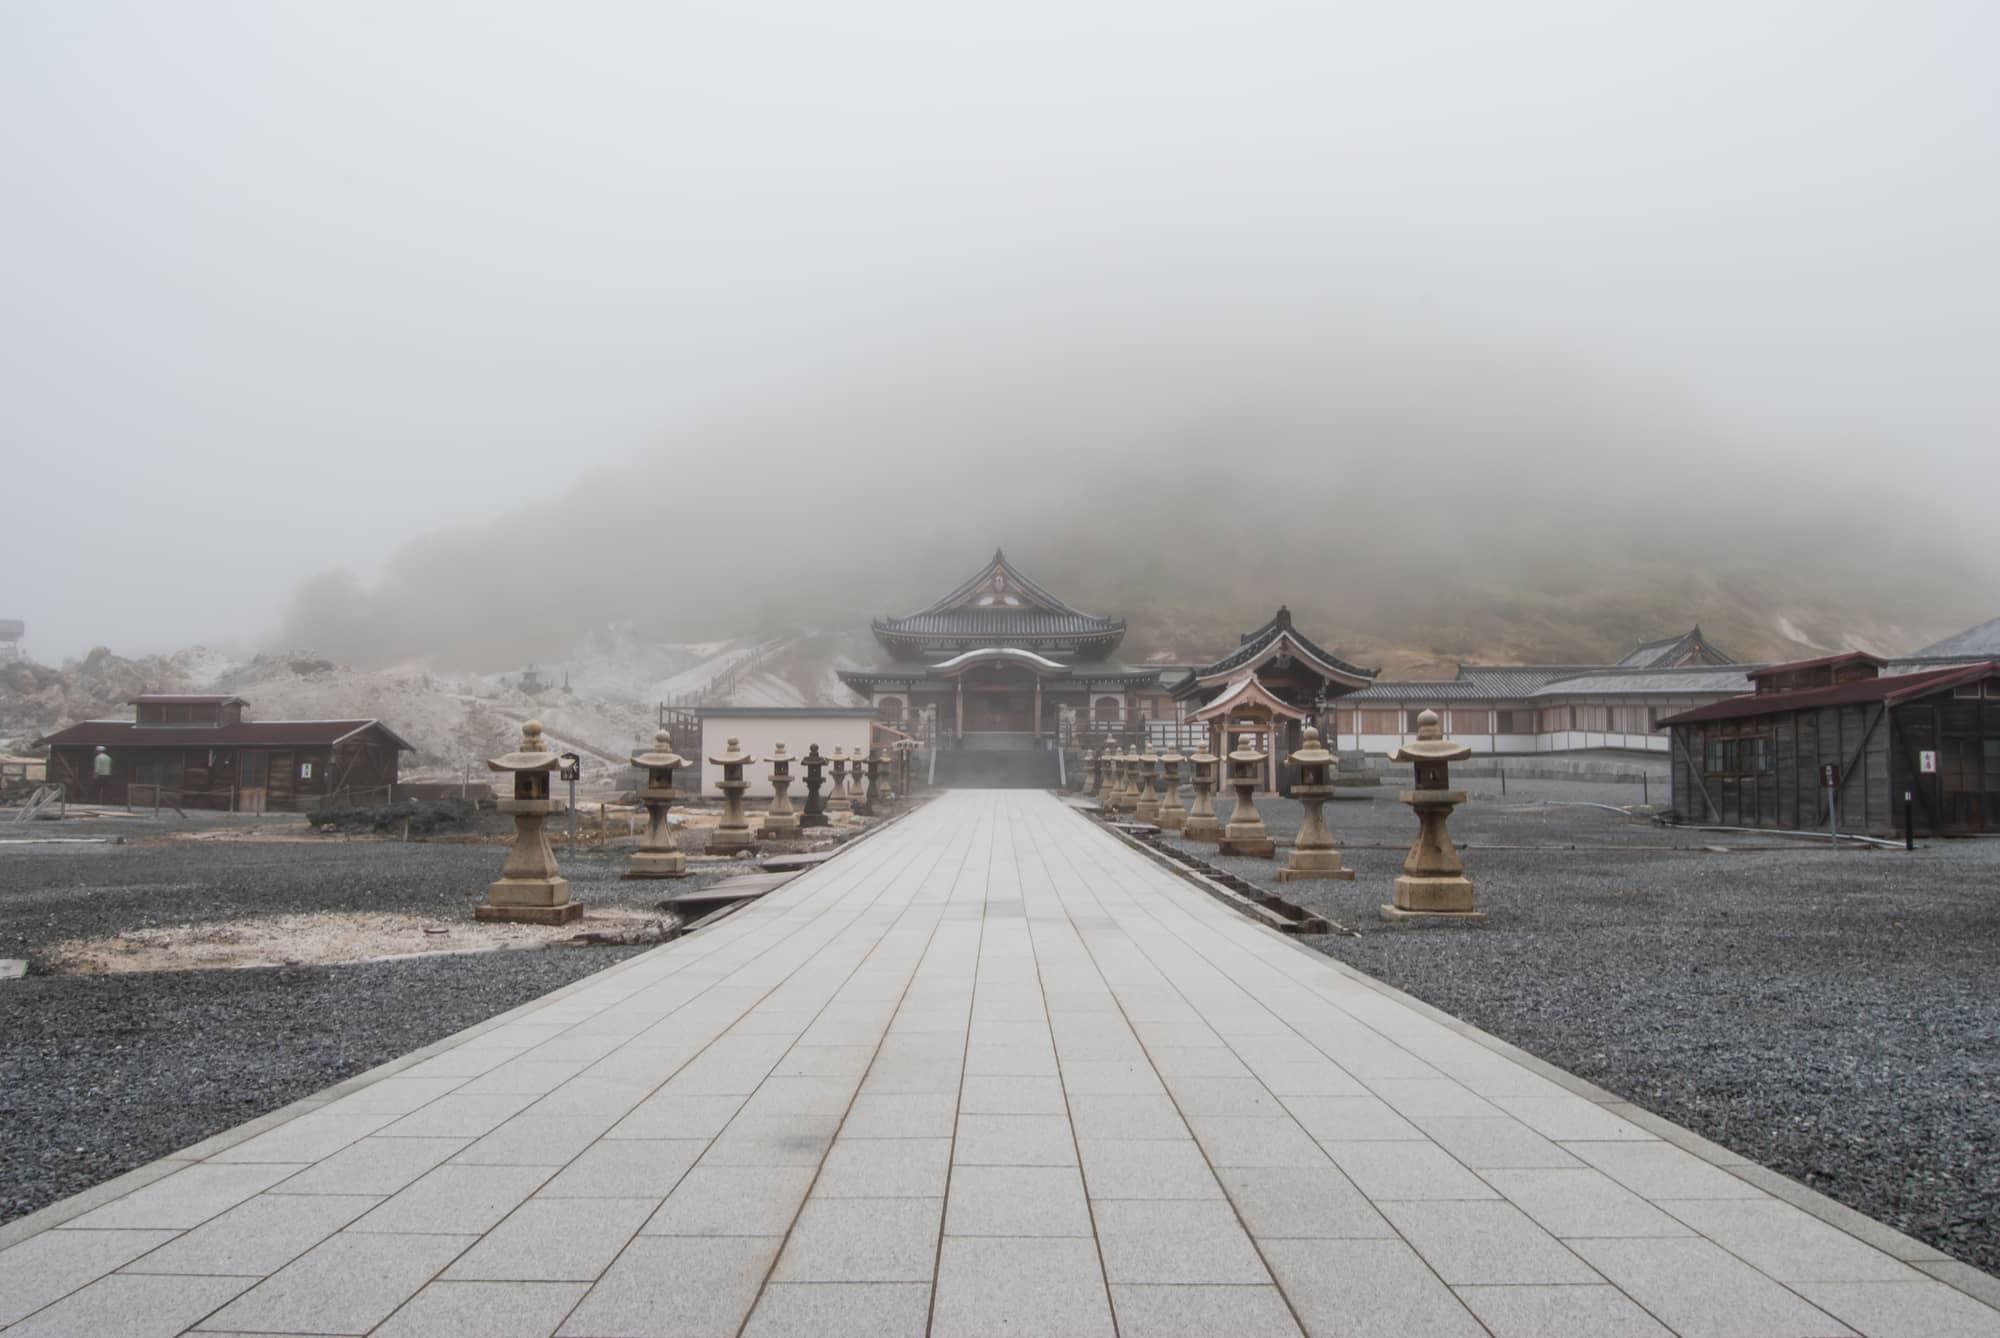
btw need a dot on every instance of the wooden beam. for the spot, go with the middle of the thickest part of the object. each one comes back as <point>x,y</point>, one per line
<point>1694,774</point>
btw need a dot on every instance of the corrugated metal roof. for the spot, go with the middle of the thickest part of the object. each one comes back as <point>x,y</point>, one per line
<point>1982,641</point>
<point>1891,689</point>
<point>248,734</point>
<point>187,699</point>
<point>1818,662</point>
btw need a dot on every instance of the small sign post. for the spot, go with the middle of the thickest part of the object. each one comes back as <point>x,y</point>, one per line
<point>1829,779</point>
<point>1909,832</point>
<point>572,769</point>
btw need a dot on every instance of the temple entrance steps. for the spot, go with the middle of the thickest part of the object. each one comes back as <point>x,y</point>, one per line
<point>994,769</point>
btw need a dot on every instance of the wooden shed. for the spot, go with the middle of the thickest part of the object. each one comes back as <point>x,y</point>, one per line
<point>1755,760</point>
<point>197,751</point>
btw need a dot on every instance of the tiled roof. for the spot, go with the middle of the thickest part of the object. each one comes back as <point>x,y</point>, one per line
<point>1696,680</point>
<point>1664,653</point>
<point>999,623</point>
<point>1520,682</point>
<point>247,734</point>
<point>1889,690</point>
<point>1257,642</point>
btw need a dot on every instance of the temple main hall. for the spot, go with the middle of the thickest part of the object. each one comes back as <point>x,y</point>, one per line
<point>1002,665</point>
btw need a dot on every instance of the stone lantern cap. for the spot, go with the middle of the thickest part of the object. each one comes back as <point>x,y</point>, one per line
<point>1431,744</point>
<point>1201,757</point>
<point>732,756</point>
<point>1245,752</point>
<point>533,755</point>
<point>1311,754</point>
<point>663,755</point>
<point>778,754</point>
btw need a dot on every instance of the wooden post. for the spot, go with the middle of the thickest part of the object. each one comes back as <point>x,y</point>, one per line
<point>961,706</point>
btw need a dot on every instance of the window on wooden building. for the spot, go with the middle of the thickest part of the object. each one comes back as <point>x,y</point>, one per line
<point>1516,722</point>
<point>1381,722</point>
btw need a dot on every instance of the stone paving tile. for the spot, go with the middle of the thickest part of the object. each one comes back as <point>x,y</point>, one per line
<point>1229,1140</point>
<point>733,1201</point>
<point>1659,1170</point>
<point>455,1200</point>
<point>257,1237</point>
<point>1570,1118</point>
<point>1699,1290</point>
<point>1494,1144</point>
<point>1175,1241</point>
<point>1788,1244</point>
<point>484,1310</point>
<point>373,1166</point>
<point>459,1116</point>
<point>345,1285</point>
<point>1017,1201</point>
<point>1142,1117</point>
<point>1485,1243</point>
<point>885,1168</point>
<point>188,1198</point>
<point>773,1140</point>
<point>980,1291</point>
<point>901,1115</point>
<point>1922,1309</point>
<point>1147,1170</point>
<point>1560,1312</point>
<point>1316,1201</point>
<point>132,1307</point>
<point>554,1240</point>
<point>626,1168</point>
<point>1387,1170</point>
<point>1182,1311</point>
<point>1350,1118</point>
<point>308,1138</point>
<point>1014,1140</point>
<point>678,1115</point>
<point>841,1310</point>
<point>1343,1287</point>
<point>1580,1201</point>
<point>862,1240</point>
<point>536,1140</point>
<point>1012,1094</point>
<point>45,1268</point>
<point>665,1286</point>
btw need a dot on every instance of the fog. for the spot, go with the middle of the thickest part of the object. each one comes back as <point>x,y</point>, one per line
<point>458,330</point>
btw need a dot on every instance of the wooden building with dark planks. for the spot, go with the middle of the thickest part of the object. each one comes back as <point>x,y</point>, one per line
<point>197,751</point>
<point>1755,760</point>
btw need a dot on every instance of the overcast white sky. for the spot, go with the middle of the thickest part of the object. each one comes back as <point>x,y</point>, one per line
<point>285,284</point>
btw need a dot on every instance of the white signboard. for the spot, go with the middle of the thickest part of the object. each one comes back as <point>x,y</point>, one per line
<point>1927,762</point>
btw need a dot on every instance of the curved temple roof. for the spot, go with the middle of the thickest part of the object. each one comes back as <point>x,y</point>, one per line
<point>999,605</point>
<point>1277,637</point>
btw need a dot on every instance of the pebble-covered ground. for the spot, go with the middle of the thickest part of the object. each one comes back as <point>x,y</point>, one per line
<point>103,1073</point>
<point>1830,1014</point>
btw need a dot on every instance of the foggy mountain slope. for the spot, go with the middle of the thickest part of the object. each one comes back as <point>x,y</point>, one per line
<point>1413,499</point>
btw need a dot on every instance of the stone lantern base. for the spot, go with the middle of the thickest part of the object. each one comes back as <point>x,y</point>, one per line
<point>1201,828</point>
<point>1314,864</point>
<point>1258,846</point>
<point>535,901</point>
<point>656,864</point>
<point>1433,899</point>
<point>730,840</point>
<point>780,826</point>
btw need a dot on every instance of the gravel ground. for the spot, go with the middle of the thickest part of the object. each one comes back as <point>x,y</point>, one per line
<point>1830,1014</point>
<point>102,1073</point>
<point>99,1074</point>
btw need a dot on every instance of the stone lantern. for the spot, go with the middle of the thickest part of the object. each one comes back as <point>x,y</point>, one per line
<point>1146,808</point>
<point>815,810</point>
<point>733,832</point>
<point>1087,772</point>
<point>836,791</point>
<point>781,822</point>
<point>530,889</point>
<point>1173,816</point>
<point>1246,833</point>
<point>1433,882</point>
<point>1201,824</point>
<point>1313,855</point>
<point>871,798</point>
<point>1124,792</point>
<point>659,855</point>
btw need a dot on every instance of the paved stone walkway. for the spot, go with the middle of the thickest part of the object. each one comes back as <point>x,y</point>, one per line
<point>988,1072</point>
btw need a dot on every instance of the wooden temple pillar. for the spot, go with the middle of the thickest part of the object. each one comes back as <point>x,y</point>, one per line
<point>1038,706</point>
<point>960,688</point>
